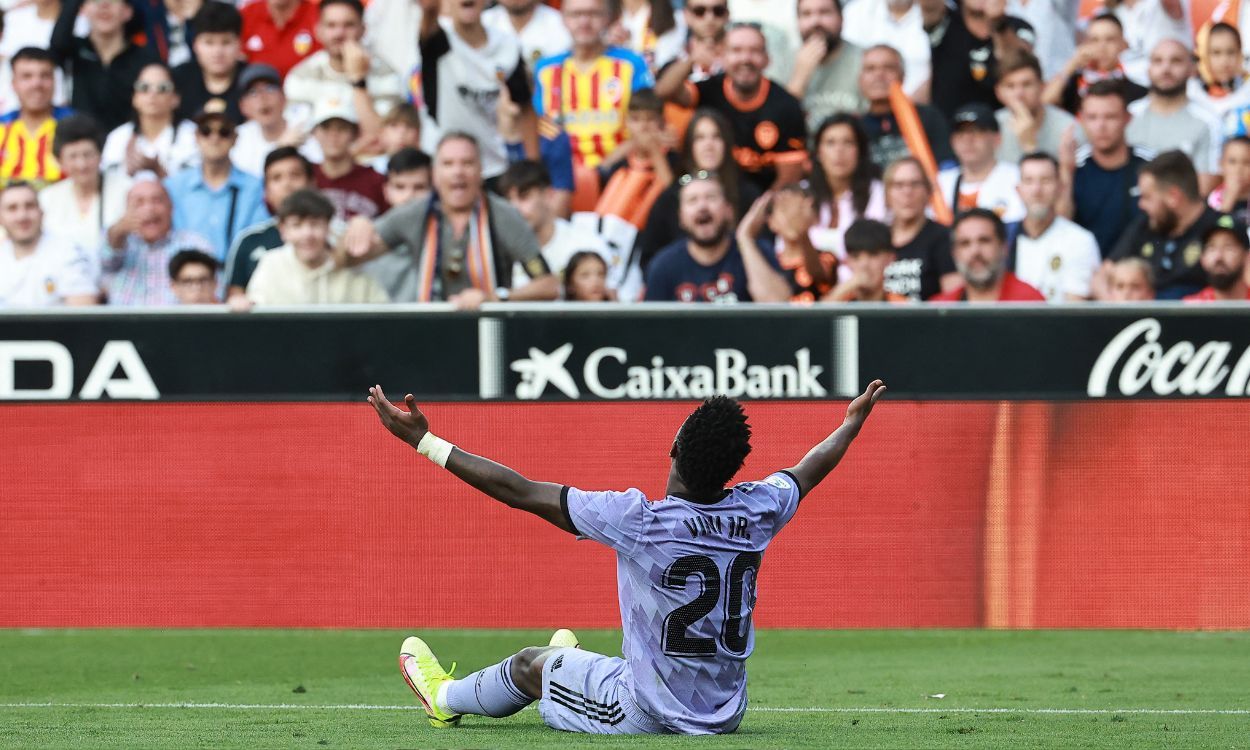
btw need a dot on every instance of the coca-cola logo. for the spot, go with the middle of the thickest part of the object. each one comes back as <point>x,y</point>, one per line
<point>1142,365</point>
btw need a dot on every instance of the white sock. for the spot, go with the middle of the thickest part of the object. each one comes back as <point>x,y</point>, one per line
<point>487,692</point>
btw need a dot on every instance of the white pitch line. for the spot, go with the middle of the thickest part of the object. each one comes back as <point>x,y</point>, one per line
<point>762,709</point>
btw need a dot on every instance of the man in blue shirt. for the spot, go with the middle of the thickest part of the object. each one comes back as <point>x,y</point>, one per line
<point>216,199</point>
<point>709,265</point>
<point>1103,173</point>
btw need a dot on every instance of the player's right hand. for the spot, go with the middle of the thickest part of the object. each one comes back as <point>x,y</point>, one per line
<point>409,426</point>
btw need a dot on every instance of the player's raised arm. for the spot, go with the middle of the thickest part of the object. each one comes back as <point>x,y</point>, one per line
<point>822,459</point>
<point>504,484</point>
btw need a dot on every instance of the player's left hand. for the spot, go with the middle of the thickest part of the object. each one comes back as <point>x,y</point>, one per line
<point>409,426</point>
<point>861,407</point>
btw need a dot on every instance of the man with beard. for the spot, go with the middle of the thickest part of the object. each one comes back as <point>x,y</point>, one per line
<point>1052,254</point>
<point>769,126</point>
<point>826,67</point>
<point>1224,248</point>
<point>709,265</point>
<point>1167,119</point>
<point>1100,177</point>
<point>460,242</point>
<point>37,269</point>
<point>882,67</point>
<point>1169,234</point>
<point>979,241</point>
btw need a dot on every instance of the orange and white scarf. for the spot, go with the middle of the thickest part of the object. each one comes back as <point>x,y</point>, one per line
<point>479,255</point>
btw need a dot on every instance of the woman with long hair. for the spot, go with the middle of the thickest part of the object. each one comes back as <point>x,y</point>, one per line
<point>707,147</point>
<point>844,183</point>
<point>154,140</point>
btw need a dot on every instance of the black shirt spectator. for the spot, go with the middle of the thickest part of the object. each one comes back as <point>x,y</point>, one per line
<point>919,265</point>
<point>102,88</point>
<point>193,94</point>
<point>1175,259</point>
<point>215,66</point>
<point>770,129</point>
<point>963,68</point>
<point>1074,90</point>
<point>886,140</point>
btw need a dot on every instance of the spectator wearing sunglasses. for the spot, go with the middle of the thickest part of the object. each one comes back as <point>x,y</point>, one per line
<point>704,52</point>
<point>103,65</point>
<point>216,199</point>
<point>155,140</point>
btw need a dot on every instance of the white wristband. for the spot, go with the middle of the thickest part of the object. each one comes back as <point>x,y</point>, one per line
<point>435,448</point>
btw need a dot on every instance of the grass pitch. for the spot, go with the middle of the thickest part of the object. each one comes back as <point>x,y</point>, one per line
<point>319,689</point>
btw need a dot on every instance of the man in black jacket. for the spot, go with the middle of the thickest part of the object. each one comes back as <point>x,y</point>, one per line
<point>104,65</point>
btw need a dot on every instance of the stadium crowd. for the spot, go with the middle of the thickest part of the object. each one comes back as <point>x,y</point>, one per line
<point>290,152</point>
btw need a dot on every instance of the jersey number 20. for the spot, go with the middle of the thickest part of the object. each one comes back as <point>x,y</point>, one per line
<point>737,624</point>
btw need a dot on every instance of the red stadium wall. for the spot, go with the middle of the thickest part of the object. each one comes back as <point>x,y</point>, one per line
<point>1114,514</point>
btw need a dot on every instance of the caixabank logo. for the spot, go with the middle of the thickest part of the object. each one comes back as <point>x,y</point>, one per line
<point>615,373</point>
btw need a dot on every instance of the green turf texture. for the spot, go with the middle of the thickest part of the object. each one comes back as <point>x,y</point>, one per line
<point>831,669</point>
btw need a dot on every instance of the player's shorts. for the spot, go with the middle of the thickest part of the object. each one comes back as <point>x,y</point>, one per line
<point>587,692</point>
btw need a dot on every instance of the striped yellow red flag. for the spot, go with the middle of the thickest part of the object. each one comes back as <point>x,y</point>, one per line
<point>918,143</point>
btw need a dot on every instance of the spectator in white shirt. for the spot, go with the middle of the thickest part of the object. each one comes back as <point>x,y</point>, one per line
<point>38,269</point>
<point>389,32</point>
<point>87,200</point>
<point>897,24</point>
<point>980,180</point>
<point>1146,23</point>
<point>465,66</point>
<point>155,140</point>
<point>538,28</point>
<point>1054,255</point>
<point>527,186</point>
<point>1054,26</point>
<point>343,71</point>
<point>264,105</point>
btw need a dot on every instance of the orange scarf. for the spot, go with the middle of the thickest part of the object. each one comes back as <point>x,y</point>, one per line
<point>479,256</point>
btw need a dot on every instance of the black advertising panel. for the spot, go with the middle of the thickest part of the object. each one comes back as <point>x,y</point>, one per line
<point>187,357</point>
<point>621,353</point>
<point>1068,353</point>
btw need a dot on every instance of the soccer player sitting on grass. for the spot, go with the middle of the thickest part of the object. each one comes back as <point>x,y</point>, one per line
<point>684,669</point>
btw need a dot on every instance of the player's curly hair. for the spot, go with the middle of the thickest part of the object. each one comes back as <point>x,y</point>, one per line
<point>712,445</point>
